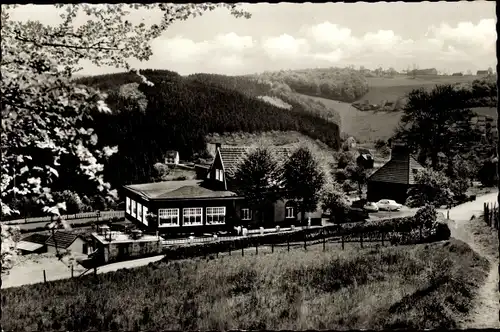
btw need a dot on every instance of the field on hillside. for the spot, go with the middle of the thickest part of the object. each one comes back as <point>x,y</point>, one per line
<point>420,286</point>
<point>365,126</point>
<point>391,89</point>
<point>368,126</point>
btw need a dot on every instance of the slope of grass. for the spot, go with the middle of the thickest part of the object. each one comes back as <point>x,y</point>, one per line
<point>421,286</point>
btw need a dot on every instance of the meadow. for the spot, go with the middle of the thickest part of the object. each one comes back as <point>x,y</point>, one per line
<point>418,286</point>
<point>368,126</point>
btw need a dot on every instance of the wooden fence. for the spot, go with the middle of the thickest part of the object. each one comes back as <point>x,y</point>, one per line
<point>86,215</point>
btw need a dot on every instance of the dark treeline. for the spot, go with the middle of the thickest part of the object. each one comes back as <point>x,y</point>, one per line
<point>180,112</point>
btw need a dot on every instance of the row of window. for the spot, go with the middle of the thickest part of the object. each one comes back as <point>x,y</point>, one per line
<point>191,216</point>
<point>136,210</point>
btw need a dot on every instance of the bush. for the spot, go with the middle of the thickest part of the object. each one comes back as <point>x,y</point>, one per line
<point>380,143</point>
<point>426,215</point>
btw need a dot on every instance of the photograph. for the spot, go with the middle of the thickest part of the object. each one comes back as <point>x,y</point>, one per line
<point>249,166</point>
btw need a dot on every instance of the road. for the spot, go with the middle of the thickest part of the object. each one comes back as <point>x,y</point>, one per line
<point>486,309</point>
<point>32,272</point>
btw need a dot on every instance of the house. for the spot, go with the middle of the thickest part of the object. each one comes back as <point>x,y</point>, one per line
<point>62,240</point>
<point>393,179</point>
<point>33,244</point>
<point>482,73</point>
<point>429,71</point>
<point>172,157</point>
<point>365,159</point>
<point>457,74</point>
<point>203,205</point>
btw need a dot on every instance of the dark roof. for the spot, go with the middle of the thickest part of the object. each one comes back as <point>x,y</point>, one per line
<point>364,151</point>
<point>36,238</point>
<point>178,190</point>
<point>63,239</point>
<point>232,156</point>
<point>400,170</point>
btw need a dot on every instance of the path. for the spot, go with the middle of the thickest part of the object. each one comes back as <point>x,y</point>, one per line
<point>486,311</point>
<point>32,272</point>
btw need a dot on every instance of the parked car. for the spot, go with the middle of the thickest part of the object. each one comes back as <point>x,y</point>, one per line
<point>389,205</point>
<point>371,207</point>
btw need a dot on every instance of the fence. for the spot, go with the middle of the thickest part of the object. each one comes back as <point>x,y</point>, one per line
<point>86,215</point>
<point>491,215</point>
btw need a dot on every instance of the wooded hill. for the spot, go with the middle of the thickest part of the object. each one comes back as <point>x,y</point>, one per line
<point>177,113</point>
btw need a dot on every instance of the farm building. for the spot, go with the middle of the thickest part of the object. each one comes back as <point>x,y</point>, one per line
<point>68,241</point>
<point>393,180</point>
<point>365,159</point>
<point>482,73</point>
<point>33,244</point>
<point>172,157</point>
<point>429,71</point>
<point>209,204</point>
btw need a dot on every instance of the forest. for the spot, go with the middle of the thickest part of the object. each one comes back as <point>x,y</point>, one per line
<point>178,114</point>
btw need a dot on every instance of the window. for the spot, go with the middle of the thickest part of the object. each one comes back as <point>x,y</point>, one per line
<point>192,216</point>
<point>289,212</point>
<point>216,215</point>
<point>145,215</point>
<point>221,175</point>
<point>134,208</point>
<point>168,217</point>
<point>139,211</point>
<point>246,214</point>
<point>127,204</point>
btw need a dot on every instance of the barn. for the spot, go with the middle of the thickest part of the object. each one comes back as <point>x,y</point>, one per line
<point>393,179</point>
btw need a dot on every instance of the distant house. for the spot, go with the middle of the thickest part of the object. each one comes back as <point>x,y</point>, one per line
<point>172,157</point>
<point>68,241</point>
<point>33,244</point>
<point>393,180</point>
<point>482,73</point>
<point>203,205</point>
<point>457,74</point>
<point>365,159</point>
<point>429,71</point>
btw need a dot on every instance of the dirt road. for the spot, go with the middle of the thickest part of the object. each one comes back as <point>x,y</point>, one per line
<point>486,310</point>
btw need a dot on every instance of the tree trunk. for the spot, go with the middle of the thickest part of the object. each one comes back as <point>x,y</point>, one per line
<point>434,160</point>
<point>303,214</point>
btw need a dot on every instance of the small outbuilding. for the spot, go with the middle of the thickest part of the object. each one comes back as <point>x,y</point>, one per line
<point>68,241</point>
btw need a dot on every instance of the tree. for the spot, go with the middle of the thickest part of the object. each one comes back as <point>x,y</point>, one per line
<point>437,121</point>
<point>432,187</point>
<point>358,175</point>
<point>345,159</point>
<point>44,112</point>
<point>303,180</point>
<point>258,180</point>
<point>162,171</point>
<point>335,201</point>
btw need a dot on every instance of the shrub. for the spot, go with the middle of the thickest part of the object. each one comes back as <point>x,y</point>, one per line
<point>426,215</point>
<point>380,143</point>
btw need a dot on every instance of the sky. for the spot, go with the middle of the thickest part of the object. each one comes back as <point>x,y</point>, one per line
<point>448,36</point>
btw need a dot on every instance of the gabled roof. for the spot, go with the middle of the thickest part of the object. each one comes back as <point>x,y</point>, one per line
<point>36,238</point>
<point>232,156</point>
<point>364,151</point>
<point>400,171</point>
<point>178,190</point>
<point>171,153</point>
<point>62,239</point>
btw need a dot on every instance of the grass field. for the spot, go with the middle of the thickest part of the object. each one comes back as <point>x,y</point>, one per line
<point>368,126</point>
<point>421,286</point>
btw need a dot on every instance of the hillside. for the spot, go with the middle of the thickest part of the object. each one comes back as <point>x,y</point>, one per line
<point>178,113</point>
<point>344,84</point>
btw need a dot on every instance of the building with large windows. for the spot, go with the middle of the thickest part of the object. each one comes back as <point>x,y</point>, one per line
<point>204,205</point>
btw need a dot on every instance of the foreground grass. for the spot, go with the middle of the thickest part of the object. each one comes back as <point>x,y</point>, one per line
<point>422,286</point>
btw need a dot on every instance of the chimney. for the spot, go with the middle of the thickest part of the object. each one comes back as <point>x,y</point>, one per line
<point>399,150</point>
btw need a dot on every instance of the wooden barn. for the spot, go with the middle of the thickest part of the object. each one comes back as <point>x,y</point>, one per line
<point>203,205</point>
<point>393,180</point>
